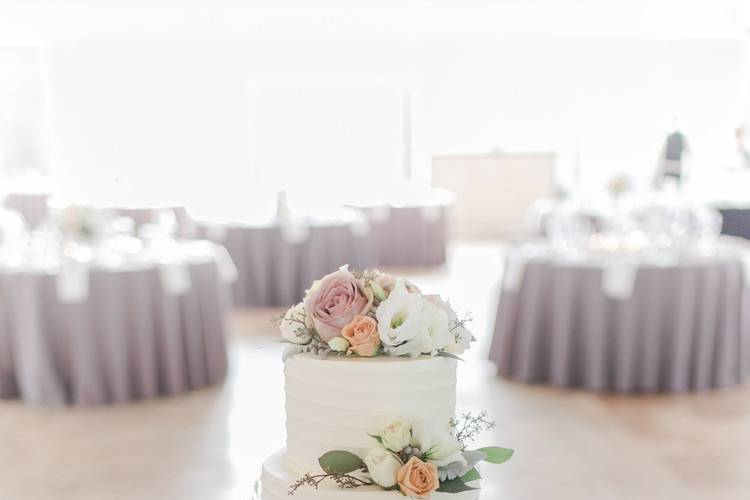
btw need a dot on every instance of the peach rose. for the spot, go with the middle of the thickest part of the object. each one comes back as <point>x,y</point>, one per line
<point>418,479</point>
<point>362,334</point>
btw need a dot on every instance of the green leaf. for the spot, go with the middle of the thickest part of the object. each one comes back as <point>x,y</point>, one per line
<point>340,462</point>
<point>470,476</point>
<point>445,354</point>
<point>454,486</point>
<point>377,438</point>
<point>496,455</point>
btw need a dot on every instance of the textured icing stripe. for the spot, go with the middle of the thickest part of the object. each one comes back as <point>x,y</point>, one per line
<point>373,383</point>
<point>381,364</point>
<point>299,416</point>
<point>345,400</point>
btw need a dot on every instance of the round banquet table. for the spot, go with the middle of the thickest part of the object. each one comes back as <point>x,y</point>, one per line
<point>409,235</point>
<point>277,261</point>
<point>144,328</point>
<point>625,325</point>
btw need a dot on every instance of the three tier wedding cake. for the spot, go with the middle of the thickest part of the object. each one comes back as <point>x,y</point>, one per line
<point>371,396</point>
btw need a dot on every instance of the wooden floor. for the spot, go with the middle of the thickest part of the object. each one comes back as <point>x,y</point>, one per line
<point>210,444</point>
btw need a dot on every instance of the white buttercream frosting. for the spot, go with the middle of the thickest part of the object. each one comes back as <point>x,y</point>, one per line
<point>336,403</point>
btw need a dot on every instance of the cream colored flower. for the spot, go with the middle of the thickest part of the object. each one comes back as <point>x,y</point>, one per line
<point>295,326</point>
<point>396,436</point>
<point>438,445</point>
<point>383,467</point>
<point>338,344</point>
<point>401,322</point>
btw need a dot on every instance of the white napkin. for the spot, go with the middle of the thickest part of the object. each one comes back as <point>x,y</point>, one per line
<point>618,279</point>
<point>380,213</point>
<point>73,281</point>
<point>360,227</point>
<point>430,213</point>
<point>227,270</point>
<point>175,277</point>
<point>295,233</point>
<point>216,232</point>
<point>515,266</point>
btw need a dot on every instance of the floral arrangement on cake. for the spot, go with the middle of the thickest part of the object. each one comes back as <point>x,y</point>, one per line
<point>413,458</point>
<point>371,313</point>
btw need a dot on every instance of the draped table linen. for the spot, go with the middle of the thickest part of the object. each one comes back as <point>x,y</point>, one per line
<point>625,325</point>
<point>129,337</point>
<point>409,235</point>
<point>277,261</point>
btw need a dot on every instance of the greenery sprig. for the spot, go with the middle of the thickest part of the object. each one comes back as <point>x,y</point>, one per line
<point>468,426</point>
<point>461,323</point>
<point>341,480</point>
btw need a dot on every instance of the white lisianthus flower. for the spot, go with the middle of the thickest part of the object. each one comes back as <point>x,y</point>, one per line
<point>338,344</point>
<point>295,326</point>
<point>401,322</point>
<point>438,335</point>
<point>383,467</point>
<point>438,445</point>
<point>396,436</point>
<point>460,336</point>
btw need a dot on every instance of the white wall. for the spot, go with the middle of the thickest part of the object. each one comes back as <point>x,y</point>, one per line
<point>145,93</point>
<point>23,134</point>
<point>140,110</point>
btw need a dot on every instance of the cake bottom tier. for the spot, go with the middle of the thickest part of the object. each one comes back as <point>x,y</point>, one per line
<point>277,477</point>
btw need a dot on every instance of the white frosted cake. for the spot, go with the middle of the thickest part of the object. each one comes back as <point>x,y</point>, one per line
<point>346,400</point>
<point>370,378</point>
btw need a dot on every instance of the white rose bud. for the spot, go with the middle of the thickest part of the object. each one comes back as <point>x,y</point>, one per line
<point>383,467</point>
<point>294,326</point>
<point>396,436</point>
<point>338,344</point>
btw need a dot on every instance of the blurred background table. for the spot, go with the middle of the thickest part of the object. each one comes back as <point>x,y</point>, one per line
<point>111,329</point>
<point>625,323</point>
<point>410,230</point>
<point>277,260</point>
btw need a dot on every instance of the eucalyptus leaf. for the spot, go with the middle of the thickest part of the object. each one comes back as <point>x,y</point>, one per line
<point>340,462</point>
<point>446,354</point>
<point>454,486</point>
<point>496,455</point>
<point>470,476</point>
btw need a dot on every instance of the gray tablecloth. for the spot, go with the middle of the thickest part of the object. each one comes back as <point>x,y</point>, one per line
<point>683,328</point>
<point>129,340</point>
<point>410,235</point>
<point>275,267</point>
<point>32,206</point>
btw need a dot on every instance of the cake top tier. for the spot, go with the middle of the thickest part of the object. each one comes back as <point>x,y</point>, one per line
<point>369,314</point>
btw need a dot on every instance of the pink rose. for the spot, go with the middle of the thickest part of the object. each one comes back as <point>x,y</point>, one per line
<point>334,301</point>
